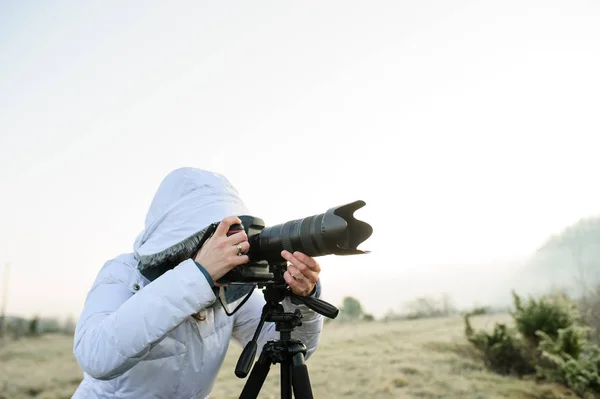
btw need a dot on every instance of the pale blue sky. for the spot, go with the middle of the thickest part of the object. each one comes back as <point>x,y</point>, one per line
<point>470,128</point>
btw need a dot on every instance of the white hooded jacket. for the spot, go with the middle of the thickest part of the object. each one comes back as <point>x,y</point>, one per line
<point>138,339</point>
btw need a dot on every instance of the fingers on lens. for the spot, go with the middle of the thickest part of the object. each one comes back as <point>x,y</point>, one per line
<point>307,260</point>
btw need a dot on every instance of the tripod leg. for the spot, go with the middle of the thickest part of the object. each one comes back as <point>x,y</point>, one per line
<point>257,377</point>
<point>286,380</point>
<point>300,378</point>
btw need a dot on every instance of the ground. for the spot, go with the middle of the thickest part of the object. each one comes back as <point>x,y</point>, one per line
<point>401,359</point>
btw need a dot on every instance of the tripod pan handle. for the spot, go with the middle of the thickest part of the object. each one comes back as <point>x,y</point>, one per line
<point>246,359</point>
<point>320,306</point>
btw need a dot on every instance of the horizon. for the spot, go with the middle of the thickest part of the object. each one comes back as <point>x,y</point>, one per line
<point>495,300</point>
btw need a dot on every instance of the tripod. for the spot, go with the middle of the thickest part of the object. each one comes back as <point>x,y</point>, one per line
<point>288,352</point>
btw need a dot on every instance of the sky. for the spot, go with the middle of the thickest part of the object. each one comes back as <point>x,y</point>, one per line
<point>469,128</point>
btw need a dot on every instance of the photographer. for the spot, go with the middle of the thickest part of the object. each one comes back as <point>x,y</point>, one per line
<point>152,325</point>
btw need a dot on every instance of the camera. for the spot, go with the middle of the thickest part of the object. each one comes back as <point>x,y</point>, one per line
<point>335,232</point>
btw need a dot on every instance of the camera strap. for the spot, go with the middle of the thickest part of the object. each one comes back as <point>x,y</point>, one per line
<point>223,300</point>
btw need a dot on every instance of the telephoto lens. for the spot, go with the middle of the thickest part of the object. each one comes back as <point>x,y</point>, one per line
<point>333,232</point>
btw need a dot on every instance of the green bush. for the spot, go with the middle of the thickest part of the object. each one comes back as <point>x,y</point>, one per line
<point>548,314</point>
<point>566,360</point>
<point>502,349</point>
<point>548,340</point>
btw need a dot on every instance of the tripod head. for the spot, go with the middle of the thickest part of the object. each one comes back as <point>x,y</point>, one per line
<point>285,322</point>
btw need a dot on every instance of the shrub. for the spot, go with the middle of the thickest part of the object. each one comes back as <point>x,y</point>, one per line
<point>565,360</point>
<point>548,314</point>
<point>548,340</point>
<point>502,349</point>
<point>34,328</point>
<point>368,317</point>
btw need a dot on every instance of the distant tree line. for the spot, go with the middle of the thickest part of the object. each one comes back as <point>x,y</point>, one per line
<point>424,307</point>
<point>569,259</point>
<point>419,308</point>
<point>18,327</point>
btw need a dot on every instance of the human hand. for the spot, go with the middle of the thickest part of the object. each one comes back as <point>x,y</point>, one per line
<point>302,273</point>
<point>219,254</point>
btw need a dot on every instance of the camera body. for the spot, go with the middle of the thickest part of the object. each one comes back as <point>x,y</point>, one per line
<point>256,270</point>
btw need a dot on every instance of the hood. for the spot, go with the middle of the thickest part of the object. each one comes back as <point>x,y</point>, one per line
<point>187,201</point>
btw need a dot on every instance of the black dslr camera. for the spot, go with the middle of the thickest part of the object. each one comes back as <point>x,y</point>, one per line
<point>333,232</point>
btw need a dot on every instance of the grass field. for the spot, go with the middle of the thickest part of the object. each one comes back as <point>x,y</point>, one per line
<point>403,359</point>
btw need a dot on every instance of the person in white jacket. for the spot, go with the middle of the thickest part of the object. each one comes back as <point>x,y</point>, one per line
<point>152,325</point>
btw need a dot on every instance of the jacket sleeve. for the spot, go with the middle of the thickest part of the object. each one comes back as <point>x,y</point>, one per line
<point>248,317</point>
<point>118,327</point>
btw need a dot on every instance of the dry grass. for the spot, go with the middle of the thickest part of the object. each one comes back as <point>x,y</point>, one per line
<point>407,359</point>
<point>41,367</point>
